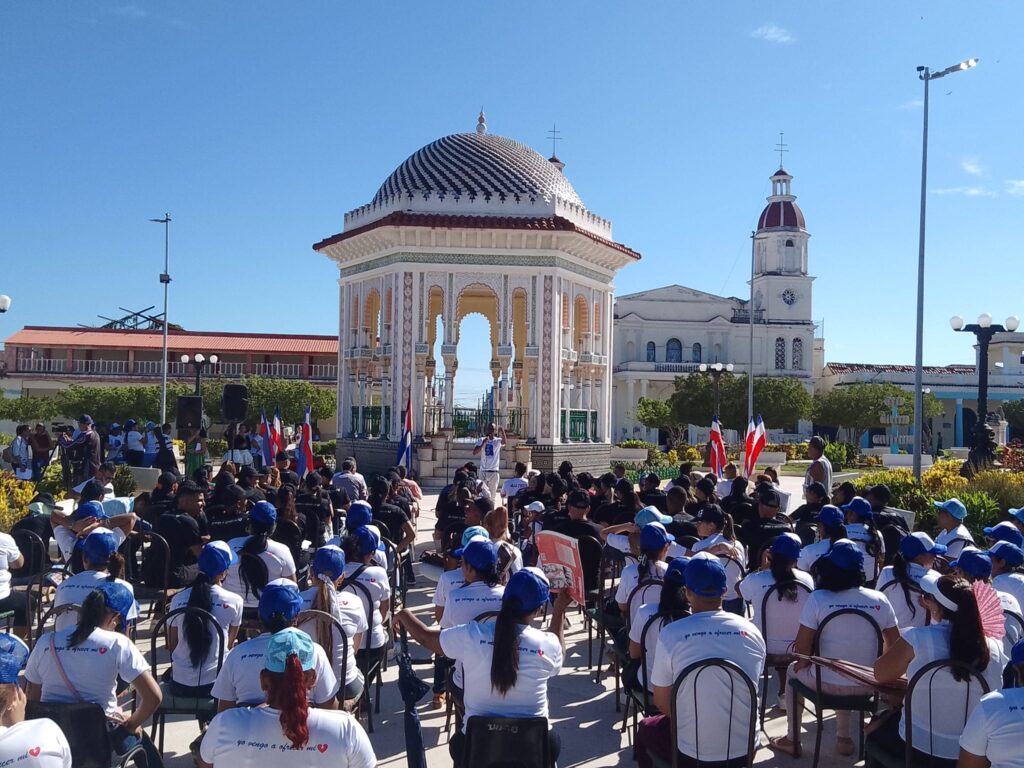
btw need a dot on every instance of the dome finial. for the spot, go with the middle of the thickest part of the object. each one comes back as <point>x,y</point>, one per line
<point>481,122</point>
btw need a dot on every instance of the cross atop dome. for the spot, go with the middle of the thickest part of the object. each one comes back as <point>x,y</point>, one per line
<point>481,122</point>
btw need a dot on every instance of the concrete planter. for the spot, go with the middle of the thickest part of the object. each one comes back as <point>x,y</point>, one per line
<point>438,442</point>
<point>637,455</point>
<point>767,458</point>
<point>523,453</point>
<point>904,460</point>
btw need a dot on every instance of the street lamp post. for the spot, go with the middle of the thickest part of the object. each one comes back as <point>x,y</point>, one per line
<point>716,370</point>
<point>199,362</point>
<point>165,280</point>
<point>926,76</point>
<point>983,331</point>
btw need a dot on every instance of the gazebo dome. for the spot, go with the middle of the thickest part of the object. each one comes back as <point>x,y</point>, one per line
<point>782,212</point>
<point>476,165</point>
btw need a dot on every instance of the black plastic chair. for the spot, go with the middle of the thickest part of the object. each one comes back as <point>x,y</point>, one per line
<point>310,622</point>
<point>739,682</point>
<point>85,727</point>
<point>36,557</point>
<point>155,585</point>
<point>372,672</point>
<point>54,612</point>
<point>734,571</point>
<point>774,661</point>
<point>507,742</point>
<point>878,755</point>
<point>639,700</point>
<point>612,563</point>
<point>860,703</point>
<point>197,707</point>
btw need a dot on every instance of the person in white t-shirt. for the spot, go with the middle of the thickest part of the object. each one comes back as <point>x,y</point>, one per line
<point>36,743</point>
<point>975,565</point>
<point>238,682</point>
<point>102,564</point>
<point>508,661</point>
<point>949,516</point>
<point>375,593</point>
<point>941,701</point>
<point>283,733</point>
<point>840,586</point>
<point>672,604</point>
<point>87,517</point>
<point>831,525</point>
<point>510,557</point>
<point>11,558</point>
<point>328,569</point>
<point>513,485</point>
<point>993,732</point>
<point>861,529</point>
<point>488,448</point>
<point>83,663</point>
<point>134,447</point>
<point>1008,569</point>
<point>246,577</point>
<point>900,582</point>
<point>721,702</point>
<point>654,544</point>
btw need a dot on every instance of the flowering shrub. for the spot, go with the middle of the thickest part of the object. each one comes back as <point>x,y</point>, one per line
<point>793,451</point>
<point>14,498</point>
<point>942,479</point>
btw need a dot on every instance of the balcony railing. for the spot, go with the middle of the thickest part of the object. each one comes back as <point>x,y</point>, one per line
<point>100,366</point>
<point>324,371</point>
<point>41,364</point>
<point>743,315</point>
<point>279,370</point>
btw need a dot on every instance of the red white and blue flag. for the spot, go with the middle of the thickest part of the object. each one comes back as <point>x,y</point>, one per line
<point>267,445</point>
<point>757,443</point>
<point>304,447</point>
<point>276,435</point>
<point>717,458</point>
<point>404,455</point>
<point>748,445</point>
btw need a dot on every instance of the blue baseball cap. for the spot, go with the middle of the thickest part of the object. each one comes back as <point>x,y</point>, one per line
<point>705,575</point>
<point>650,515</point>
<point>359,514</point>
<point>830,516</point>
<point>676,571</point>
<point>367,539</point>
<point>118,599</point>
<point>975,563</point>
<point>1011,553</point>
<point>653,536</point>
<point>280,598</point>
<point>263,512</point>
<point>787,546</point>
<point>99,546</point>
<point>130,423</point>
<point>216,557</point>
<point>329,561</point>
<point>481,554</point>
<point>955,507</point>
<point>1017,514</point>
<point>920,543</point>
<point>89,509</point>
<point>859,506</point>
<point>529,588</point>
<point>846,555</point>
<point>9,668</point>
<point>1017,652</point>
<point>473,532</point>
<point>289,642</point>
<point>1005,531</point>
<point>12,645</point>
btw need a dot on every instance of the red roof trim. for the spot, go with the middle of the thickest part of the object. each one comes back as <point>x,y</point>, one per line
<point>403,218</point>
<point>173,332</point>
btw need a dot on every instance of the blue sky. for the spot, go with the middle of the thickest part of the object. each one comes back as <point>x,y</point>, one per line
<point>258,125</point>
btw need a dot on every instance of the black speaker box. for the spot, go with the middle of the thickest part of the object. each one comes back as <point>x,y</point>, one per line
<point>236,402</point>
<point>190,412</point>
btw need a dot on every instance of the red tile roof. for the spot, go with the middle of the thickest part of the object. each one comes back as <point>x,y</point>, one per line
<point>872,368</point>
<point>188,341</point>
<point>402,218</point>
<point>781,214</point>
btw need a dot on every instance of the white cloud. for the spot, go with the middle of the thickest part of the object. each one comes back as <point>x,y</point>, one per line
<point>1015,187</point>
<point>912,104</point>
<point>772,33</point>
<point>968,191</point>
<point>971,167</point>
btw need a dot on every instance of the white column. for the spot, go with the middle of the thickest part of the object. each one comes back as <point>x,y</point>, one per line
<point>362,403</point>
<point>385,401</point>
<point>606,385</point>
<point>630,406</point>
<point>418,396</point>
<point>341,381</point>
<point>531,386</point>
<point>643,393</point>
<point>350,400</point>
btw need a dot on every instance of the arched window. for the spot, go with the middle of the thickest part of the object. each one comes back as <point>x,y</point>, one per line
<point>789,243</point>
<point>674,351</point>
<point>650,352</point>
<point>798,354</point>
<point>780,354</point>
<point>696,352</point>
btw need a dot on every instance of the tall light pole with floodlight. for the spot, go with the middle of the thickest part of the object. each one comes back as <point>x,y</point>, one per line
<point>716,370</point>
<point>926,76</point>
<point>165,280</point>
<point>199,362</point>
<point>983,331</point>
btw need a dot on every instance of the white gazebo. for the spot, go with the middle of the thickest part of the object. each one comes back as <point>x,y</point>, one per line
<point>476,223</point>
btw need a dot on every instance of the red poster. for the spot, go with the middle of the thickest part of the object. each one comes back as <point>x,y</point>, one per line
<point>559,557</point>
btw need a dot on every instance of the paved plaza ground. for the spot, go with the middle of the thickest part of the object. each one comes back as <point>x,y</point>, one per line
<point>582,711</point>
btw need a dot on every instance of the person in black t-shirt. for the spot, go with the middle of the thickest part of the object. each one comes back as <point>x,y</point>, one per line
<point>283,463</point>
<point>770,523</point>
<point>682,521</point>
<point>651,494</point>
<point>393,518</point>
<point>312,501</point>
<point>229,519</point>
<point>291,528</point>
<point>738,504</point>
<point>247,478</point>
<point>181,528</point>
<point>575,524</point>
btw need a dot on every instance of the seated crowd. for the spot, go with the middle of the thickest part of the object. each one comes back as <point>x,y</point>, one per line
<point>278,603</point>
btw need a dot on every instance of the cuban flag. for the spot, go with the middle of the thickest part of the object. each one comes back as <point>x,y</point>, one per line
<point>759,441</point>
<point>304,447</point>
<point>404,455</point>
<point>276,435</point>
<point>717,457</point>
<point>265,432</point>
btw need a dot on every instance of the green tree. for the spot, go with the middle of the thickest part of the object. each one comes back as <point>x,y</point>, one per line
<point>780,401</point>
<point>25,410</point>
<point>693,401</point>
<point>859,407</point>
<point>1014,411</point>
<point>266,393</point>
<point>658,414</point>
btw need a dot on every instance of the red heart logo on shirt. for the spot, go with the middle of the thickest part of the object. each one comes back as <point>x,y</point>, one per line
<point>225,606</point>
<point>103,650</point>
<point>321,748</point>
<point>34,751</point>
<point>540,653</point>
<point>743,633</point>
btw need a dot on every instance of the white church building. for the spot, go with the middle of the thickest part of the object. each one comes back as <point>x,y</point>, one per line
<point>666,332</point>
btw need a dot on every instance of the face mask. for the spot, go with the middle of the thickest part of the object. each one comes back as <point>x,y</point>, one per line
<point>916,571</point>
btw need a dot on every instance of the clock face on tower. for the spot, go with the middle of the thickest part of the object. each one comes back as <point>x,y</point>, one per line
<point>789,297</point>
